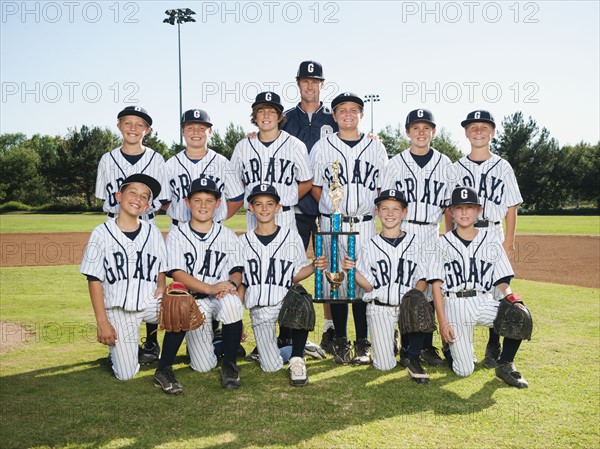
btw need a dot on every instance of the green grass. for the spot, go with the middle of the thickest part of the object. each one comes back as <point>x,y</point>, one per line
<point>11,223</point>
<point>57,390</point>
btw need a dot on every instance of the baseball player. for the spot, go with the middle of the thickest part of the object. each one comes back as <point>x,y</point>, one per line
<point>469,264</point>
<point>424,176</point>
<point>134,123</point>
<point>389,265</point>
<point>361,162</point>
<point>494,181</point>
<point>204,256</point>
<point>195,161</point>
<point>309,121</point>
<point>274,259</point>
<point>124,262</point>
<point>273,157</point>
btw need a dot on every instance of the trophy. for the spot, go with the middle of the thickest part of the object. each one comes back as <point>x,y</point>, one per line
<point>335,276</point>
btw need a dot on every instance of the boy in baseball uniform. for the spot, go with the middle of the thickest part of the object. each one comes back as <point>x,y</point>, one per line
<point>204,256</point>
<point>274,259</point>
<point>124,263</point>
<point>470,263</point>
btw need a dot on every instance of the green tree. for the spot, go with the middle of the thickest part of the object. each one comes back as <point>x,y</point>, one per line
<point>581,168</point>
<point>225,145</point>
<point>444,144</point>
<point>19,176</point>
<point>7,141</point>
<point>152,141</point>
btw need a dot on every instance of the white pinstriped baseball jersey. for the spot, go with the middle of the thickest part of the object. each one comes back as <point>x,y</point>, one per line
<point>494,181</point>
<point>128,269</point>
<point>427,190</point>
<point>181,171</point>
<point>269,269</point>
<point>360,172</point>
<point>283,164</point>
<point>391,270</point>
<point>113,168</point>
<point>474,267</point>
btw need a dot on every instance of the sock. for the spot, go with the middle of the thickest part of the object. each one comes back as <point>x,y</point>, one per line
<point>415,344</point>
<point>327,324</point>
<point>359,310</point>
<point>171,344</point>
<point>428,341</point>
<point>151,333</point>
<point>494,339</point>
<point>339,314</point>
<point>404,341</point>
<point>299,337</point>
<point>285,334</point>
<point>509,350</point>
<point>232,335</point>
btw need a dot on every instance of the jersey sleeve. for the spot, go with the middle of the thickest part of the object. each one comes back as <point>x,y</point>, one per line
<point>236,170</point>
<point>304,172</point>
<point>300,259</point>
<point>162,249</point>
<point>502,267</point>
<point>435,268</point>
<point>101,178</point>
<point>383,162</point>
<point>93,257</point>
<point>513,197</point>
<point>175,253</point>
<point>390,175</point>
<point>363,263</point>
<point>316,164</point>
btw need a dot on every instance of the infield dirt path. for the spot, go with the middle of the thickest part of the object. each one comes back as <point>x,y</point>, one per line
<point>569,260</point>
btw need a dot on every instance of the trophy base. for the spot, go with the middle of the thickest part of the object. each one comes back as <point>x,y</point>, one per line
<point>337,300</point>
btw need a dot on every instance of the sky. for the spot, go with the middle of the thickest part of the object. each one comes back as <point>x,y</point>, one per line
<point>66,64</point>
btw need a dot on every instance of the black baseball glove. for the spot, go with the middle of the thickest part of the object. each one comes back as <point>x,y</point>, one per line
<point>297,310</point>
<point>416,315</point>
<point>513,319</point>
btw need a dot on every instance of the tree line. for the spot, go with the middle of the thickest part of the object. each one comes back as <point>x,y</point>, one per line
<point>61,170</point>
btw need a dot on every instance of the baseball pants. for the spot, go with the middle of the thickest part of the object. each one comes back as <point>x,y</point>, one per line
<point>382,321</point>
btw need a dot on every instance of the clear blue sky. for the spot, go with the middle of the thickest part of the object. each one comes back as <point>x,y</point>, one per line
<point>64,64</point>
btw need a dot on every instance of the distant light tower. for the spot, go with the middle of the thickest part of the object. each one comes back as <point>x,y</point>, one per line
<point>372,99</point>
<point>180,16</point>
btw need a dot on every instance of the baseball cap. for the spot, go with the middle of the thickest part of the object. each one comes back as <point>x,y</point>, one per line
<point>268,98</point>
<point>263,189</point>
<point>196,115</point>
<point>345,97</point>
<point>464,195</point>
<point>479,116</point>
<point>148,181</point>
<point>310,69</point>
<point>391,194</point>
<point>419,115</point>
<point>204,184</point>
<point>138,111</point>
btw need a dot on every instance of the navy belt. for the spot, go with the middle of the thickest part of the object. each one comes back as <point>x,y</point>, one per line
<point>347,219</point>
<point>422,223</point>
<point>464,293</point>
<point>486,223</point>
<point>175,222</point>
<point>286,208</point>
<point>150,216</point>
<point>199,295</point>
<point>379,303</point>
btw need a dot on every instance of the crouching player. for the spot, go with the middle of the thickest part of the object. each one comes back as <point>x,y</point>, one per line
<point>204,256</point>
<point>469,264</point>
<point>274,259</point>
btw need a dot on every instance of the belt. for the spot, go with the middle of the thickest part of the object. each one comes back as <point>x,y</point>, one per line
<point>347,219</point>
<point>175,222</point>
<point>199,295</point>
<point>486,223</point>
<point>422,223</point>
<point>286,208</point>
<point>464,293</point>
<point>150,215</point>
<point>379,303</point>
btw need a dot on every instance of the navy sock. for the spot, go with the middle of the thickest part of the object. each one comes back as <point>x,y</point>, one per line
<point>339,315</point>
<point>299,337</point>
<point>404,341</point>
<point>285,334</point>
<point>151,333</point>
<point>232,335</point>
<point>494,339</point>
<point>415,344</point>
<point>359,310</point>
<point>171,344</point>
<point>509,350</point>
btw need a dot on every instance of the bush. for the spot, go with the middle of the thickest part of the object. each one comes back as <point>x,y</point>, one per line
<point>14,206</point>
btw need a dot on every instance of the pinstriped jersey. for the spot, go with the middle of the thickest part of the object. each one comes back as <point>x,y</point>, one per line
<point>113,168</point>
<point>494,181</point>
<point>427,190</point>
<point>209,258</point>
<point>269,269</point>
<point>391,270</point>
<point>474,267</point>
<point>283,164</point>
<point>360,172</point>
<point>128,269</point>
<point>181,171</point>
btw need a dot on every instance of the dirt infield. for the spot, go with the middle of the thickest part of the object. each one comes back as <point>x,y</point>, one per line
<point>570,260</point>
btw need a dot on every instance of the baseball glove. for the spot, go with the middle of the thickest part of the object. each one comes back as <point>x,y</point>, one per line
<point>416,315</point>
<point>513,319</point>
<point>297,310</point>
<point>178,310</point>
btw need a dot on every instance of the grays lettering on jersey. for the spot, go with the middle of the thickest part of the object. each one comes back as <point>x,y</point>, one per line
<point>181,171</point>
<point>128,269</point>
<point>360,173</point>
<point>113,168</point>
<point>494,181</point>
<point>427,190</point>
<point>283,164</point>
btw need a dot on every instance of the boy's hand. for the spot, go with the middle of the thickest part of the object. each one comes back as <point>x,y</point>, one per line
<point>221,288</point>
<point>251,135</point>
<point>348,264</point>
<point>447,332</point>
<point>509,248</point>
<point>106,334</point>
<point>159,292</point>
<point>320,263</point>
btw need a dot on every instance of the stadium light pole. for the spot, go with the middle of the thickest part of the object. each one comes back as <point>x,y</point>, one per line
<point>371,98</point>
<point>179,16</point>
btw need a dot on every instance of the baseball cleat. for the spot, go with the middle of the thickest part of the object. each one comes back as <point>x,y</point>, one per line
<point>166,380</point>
<point>416,371</point>
<point>362,352</point>
<point>148,353</point>
<point>230,376</point>
<point>403,358</point>
<point>327,340</point>
<point>492,352</point>
<point>253,356</point>
<point>507,373</point>
<point>298,376</point>
<point>341,351</point>
<point>431,356</point>
<point>313,350</point>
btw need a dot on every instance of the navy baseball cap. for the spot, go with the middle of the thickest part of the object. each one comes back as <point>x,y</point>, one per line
<point>263,189</point>
<point>479,116</point>
<point>204,184</point>
<point>138,111</point>
<point>310,69</point>
<point>270,98</point>
<point>196,115</point>
<point>345,97</point>
<point>419,115</point>
<point>391,194</point>
<point>464,195</point>
<point>148,181</point>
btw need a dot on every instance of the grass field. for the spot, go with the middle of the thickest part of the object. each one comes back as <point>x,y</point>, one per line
<point>57,390</point>
<point>11,223</point>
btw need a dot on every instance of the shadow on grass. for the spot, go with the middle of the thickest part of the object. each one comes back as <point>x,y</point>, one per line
<point>83,405</point>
